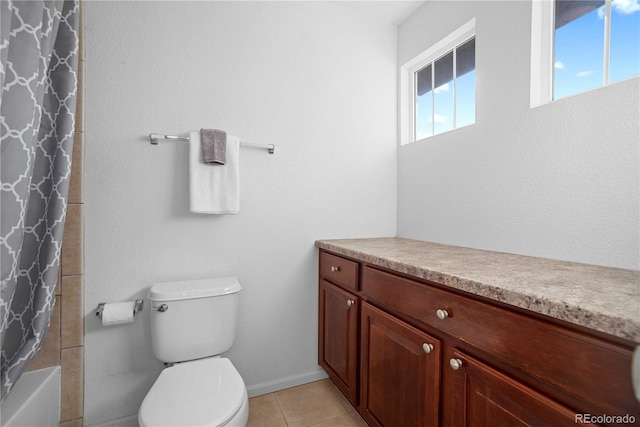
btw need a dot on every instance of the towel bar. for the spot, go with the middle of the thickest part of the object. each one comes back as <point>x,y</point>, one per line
<point>154,137</point>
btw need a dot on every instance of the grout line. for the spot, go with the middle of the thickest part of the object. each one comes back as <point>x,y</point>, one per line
<point>284,417</point>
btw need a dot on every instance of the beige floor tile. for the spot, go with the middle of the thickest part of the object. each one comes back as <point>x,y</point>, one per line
<point>343,421</point>
<point>264,411</point>
<point>353,412</point>
<point>341,397</point>
<point>310,404</point>
<point>358,419</point>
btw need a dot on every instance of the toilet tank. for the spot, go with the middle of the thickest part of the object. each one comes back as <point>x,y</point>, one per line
<point>193,319</point>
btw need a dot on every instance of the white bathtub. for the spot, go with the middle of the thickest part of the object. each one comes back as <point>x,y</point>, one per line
<point>34,400</point>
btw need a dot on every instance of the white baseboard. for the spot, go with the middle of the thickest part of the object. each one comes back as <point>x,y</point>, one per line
<point>287,382</point>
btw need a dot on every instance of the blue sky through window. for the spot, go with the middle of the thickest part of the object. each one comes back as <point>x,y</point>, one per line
<point>625,40</point>
<point>579,44</point>
<point>451,104</point>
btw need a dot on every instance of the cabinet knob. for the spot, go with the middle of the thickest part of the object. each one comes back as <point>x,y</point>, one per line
<point>335,269</point>
<point>442,314</point>
<point>428,348</point>
<point>455,364</point>
<point>350,302</point>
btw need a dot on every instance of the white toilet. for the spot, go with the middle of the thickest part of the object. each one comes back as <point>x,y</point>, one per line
<point>192,323</point>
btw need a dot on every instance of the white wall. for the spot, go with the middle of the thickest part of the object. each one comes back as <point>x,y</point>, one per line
<point>559,181</point>
<point>312,78</point>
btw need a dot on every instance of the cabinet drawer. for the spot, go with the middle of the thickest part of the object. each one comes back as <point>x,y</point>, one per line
<point>339,270</point>
<point>585,367</point>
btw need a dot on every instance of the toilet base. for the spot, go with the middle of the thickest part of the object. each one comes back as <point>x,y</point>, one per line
<point>207,392</point>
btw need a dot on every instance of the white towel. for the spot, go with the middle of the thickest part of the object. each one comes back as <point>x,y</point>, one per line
<point>214,189</point>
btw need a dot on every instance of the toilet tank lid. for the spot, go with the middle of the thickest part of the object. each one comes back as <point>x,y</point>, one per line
<point>191,289</point>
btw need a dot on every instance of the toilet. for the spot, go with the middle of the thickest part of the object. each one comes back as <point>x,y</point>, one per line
<point>192,323</point>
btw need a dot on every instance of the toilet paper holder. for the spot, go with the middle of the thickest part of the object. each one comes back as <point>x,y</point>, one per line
<point>137,306</point>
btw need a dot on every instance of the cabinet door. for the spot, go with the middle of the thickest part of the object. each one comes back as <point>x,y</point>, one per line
<point>338,336</point>
<point>482,396</point>
<point>400,372</point>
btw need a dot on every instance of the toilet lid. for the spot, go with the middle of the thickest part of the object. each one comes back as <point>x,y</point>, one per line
<point>206,392</point>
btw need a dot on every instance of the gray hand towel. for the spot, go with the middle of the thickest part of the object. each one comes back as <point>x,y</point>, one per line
<point>214,146</point>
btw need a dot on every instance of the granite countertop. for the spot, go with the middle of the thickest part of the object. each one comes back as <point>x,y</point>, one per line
<point>600,298</point>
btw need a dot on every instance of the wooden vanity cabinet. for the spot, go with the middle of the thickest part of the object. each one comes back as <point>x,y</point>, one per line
<point>400,372</point>
<point>430,356</point>
<point>338,323</point>
<point>483,396</point>
<point>583,371</point>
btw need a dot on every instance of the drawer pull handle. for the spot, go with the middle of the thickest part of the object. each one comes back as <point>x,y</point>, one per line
<point>350,302</point>
<point>428,348</point>
<point>455,364</point>
<point>442,314</point>
<point>335,269</point>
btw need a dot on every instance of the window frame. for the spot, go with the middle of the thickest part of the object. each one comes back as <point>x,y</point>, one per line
<point>542,52</point>
<point>542,35</point>
<point>408,81</point>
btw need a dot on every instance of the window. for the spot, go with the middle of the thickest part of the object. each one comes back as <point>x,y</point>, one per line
<point>438,87</point>
<point>580,45</point>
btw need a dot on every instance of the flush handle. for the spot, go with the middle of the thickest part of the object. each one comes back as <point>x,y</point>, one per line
<point>162,308</point>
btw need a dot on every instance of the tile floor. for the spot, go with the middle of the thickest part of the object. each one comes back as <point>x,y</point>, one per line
<point>318,404</point>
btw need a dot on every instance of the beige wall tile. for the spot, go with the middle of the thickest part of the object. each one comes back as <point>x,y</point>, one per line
<point>82,54</point>
<point>72,258</point>
<point>76,183</point>
<point>59,281</point>
<point>79,118</point>
<point>72,312</point>
<point>74,423</point>
<point>72,398</point>
<point>49,353</point>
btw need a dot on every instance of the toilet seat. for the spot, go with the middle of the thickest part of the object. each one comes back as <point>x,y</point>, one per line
<point>205,392</point>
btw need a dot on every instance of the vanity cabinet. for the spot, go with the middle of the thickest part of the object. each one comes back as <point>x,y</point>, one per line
<point>590,374</point>
<point>400,372</point>
<point>422,354</point>
<point>483,396</point>
<point>338,323</point>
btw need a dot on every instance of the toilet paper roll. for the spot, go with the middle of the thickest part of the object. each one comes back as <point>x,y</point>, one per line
<point>118,313</point>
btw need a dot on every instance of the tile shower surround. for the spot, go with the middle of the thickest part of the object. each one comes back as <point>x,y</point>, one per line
<point>64,343</point>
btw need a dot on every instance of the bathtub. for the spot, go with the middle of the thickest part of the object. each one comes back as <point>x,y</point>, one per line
<point>34,400</point>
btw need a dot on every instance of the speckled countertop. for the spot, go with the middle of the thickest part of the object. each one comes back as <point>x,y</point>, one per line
<point>600,298</point>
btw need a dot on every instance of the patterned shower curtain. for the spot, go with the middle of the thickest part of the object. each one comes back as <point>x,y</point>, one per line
<point>38,82</point>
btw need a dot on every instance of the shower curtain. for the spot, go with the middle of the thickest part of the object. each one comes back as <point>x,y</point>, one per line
<point>38,82</point>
